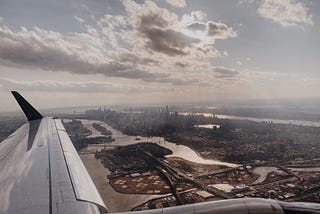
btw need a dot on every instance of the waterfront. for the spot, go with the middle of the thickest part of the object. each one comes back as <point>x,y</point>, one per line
<point>180,151</point>
<point>89,125</point>
<point>208,126</point>
<point>263,173</point>
<point>293,122</point>
<point>223,116</point>
<point>116,202</point>
<point>136,168</point>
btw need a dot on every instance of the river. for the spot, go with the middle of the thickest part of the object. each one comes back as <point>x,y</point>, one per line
<point>223,116</point>
<point>180,151</point>
<point>208,126</point>
<point>118,202</point>
<point>306,169</point>
<point>177,151</point>
<point>293,122</point>
<point>263,171</point>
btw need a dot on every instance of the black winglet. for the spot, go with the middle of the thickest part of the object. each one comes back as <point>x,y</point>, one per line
<point>30,112</point>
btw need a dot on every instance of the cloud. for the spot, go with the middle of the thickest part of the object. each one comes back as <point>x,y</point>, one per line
<point>286,12</point>
<point>161,31</point>
<point>80,20</point>
<point>112,21</point>
<point>180,64</point>
<point>247,1</point>
<point>169,42</point>
<point>157,29</point>
<point>136,11</point>
<point>46,50</point>
<point>194,16</point>
<point>177,3</point>
<point>108,26</point>
<point>136,60</point>
<point>222,72</point>
<point>197,26</point>
<point>78,87</point>
<point>220,30</point>
<point>160,39</point>
<point>1,19</point>
<point>239,62</point>
<point>146,43</point>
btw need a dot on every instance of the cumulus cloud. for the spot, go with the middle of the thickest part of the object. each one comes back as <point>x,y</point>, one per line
<point>286,12</point>
<point>46,50</point>
<point>220,30</point>
<point>161,31</point>
<point>136,60</point>
<point>169,42</point>
<point>222,72</point>
<point>177,3</point>
<point>157,29</point>
<point>197,26</point>
<point>214,30</point>
<point>194,16</point>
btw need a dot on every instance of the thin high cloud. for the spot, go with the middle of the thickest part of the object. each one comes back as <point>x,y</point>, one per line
<point>222,72</point>
<point>83,87</point>
<point>79,19</point>
<point>286,12</point>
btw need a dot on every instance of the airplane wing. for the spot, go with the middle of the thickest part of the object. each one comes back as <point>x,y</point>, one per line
<point>41,172</point>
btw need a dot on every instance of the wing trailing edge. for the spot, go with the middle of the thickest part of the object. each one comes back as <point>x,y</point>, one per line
<point>30,112</point>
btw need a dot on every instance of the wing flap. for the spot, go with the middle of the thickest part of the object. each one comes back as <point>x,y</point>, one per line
<point>84,188</point>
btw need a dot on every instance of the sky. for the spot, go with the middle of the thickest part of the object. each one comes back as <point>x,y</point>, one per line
<point>104,52</point>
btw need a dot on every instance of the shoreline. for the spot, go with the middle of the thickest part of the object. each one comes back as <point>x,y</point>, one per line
<point>115,201</point>
<point>179,150</point>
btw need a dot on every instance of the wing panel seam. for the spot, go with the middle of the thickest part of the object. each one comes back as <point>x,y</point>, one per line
<point>65,160</point>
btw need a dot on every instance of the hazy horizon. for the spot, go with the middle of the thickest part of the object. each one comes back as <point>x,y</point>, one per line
<point>80,53</point>
<point>309,105</point>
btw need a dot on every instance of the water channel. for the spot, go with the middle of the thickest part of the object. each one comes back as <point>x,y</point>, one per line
<point>177,150</point>
<point>223,116</point>
<point>180,151</point>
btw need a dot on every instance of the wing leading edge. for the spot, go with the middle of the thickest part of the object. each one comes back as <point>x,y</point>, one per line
<point>38,170</point>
